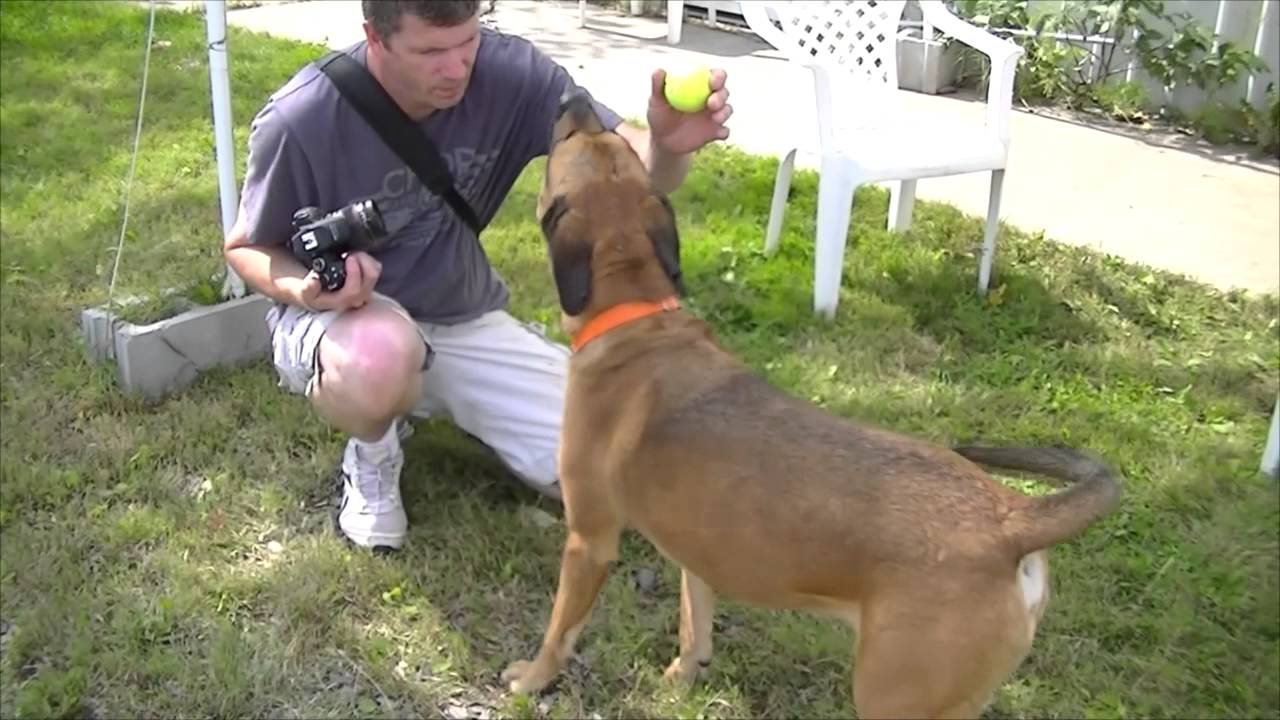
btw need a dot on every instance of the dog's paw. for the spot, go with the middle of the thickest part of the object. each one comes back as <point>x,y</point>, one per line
<point>526,677</point>
<point>685,671</point>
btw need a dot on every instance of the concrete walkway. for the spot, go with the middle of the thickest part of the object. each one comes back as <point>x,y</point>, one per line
<point>1166,201</point>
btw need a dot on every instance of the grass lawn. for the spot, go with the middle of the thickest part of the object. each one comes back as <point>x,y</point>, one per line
<point>177,560</point>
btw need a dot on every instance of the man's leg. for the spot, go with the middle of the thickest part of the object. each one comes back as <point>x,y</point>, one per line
<point>362,370</point>
<point>503,382</point>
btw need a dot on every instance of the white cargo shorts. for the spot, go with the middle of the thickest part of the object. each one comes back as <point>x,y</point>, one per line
<point>497,378</point>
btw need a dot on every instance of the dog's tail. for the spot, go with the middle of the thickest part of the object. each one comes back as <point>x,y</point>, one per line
<point>1051,519</point>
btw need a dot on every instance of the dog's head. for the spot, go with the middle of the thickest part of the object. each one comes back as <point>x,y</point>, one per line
<point>611,238</point>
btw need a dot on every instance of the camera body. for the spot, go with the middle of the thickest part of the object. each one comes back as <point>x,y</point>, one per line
<point>322,242</point>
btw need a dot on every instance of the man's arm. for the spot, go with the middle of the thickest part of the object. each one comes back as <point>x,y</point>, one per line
<point>666,170</point>
<point>278,181</point>
<point>256,247</point>
<point>270,269</point>
<point>668,144</point>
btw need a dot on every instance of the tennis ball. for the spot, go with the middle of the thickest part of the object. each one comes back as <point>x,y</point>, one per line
<point>688,93</point>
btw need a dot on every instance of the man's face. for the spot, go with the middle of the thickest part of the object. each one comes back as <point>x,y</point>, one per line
<point>425,66</point>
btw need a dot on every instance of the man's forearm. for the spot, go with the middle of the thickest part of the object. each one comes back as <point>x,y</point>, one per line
<point>666,170</point>
<point>272,271</point>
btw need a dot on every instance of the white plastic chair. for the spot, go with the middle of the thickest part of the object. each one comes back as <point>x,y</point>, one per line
<point>675,19</point>
<point>851,48</point>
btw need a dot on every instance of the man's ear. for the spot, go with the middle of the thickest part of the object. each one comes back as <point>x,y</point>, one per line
<point>666,244</point>
<point>570,259</point>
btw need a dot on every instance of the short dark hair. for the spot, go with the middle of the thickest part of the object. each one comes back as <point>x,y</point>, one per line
<point>384,15</point>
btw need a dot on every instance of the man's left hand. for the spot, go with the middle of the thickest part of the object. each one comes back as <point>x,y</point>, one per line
<point>680,133</point>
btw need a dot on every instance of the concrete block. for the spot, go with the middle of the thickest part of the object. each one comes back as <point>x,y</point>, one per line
<point>163,357</point>
<point>99,335</point>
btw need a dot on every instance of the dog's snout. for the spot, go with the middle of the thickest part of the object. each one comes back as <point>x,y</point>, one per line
<point>573,100</point>
<point>576,105</point>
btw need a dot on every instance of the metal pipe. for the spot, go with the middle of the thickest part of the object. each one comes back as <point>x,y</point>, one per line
<point>215,22</point>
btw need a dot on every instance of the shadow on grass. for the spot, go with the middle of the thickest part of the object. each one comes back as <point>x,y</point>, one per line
<point>469,515</point>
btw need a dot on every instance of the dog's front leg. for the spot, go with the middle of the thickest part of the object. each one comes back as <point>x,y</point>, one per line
<point>583,568</point>
<point>697,606</point>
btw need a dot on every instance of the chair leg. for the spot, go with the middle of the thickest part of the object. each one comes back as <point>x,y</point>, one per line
<point>836,186</point>
<point>989,232</point>
<point>901,201</point>
<point>778,208</point>
<point>582,13</point>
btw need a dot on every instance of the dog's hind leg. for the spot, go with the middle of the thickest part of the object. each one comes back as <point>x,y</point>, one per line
<point>939,659</point>
<point>697,606</point>
<point>584,566</point>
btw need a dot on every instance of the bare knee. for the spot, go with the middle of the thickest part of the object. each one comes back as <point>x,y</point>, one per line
<point>370,364</point>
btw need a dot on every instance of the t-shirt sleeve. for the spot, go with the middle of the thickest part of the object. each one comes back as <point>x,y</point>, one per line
<point>278,180</point>
<point>548,81</point>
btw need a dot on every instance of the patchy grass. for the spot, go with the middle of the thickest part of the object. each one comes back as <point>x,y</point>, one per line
<point>176,559</point>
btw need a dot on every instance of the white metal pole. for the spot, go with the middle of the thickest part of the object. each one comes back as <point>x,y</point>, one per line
<point>1264,46</point>
<point>215,21</point>
<point>1271,451</point>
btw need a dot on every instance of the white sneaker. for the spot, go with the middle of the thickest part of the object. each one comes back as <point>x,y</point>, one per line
<point>371,513</point>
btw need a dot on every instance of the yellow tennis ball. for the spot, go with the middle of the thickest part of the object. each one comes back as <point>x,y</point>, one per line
<point>689,92</point>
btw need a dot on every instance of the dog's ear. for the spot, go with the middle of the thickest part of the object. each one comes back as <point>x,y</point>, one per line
<point>666,244</point>
<point>570,259</point>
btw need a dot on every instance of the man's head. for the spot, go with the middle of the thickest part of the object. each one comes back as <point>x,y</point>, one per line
<point>422,51</point>
<point>611,238</point>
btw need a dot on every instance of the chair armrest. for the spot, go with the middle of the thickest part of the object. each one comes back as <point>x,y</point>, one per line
<point>936,14</point>
<point>1004,61</point>
<point>757,15</point>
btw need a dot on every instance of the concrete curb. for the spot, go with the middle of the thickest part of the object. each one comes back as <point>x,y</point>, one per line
<point>161,358</point>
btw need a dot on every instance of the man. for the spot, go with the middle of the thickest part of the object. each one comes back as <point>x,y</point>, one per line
<point>419,327</point>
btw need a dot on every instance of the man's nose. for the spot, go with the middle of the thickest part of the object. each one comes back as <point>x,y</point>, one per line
<point>455,67</point>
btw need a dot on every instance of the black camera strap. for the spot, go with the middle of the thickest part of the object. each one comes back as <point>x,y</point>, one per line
<point>397,130</point>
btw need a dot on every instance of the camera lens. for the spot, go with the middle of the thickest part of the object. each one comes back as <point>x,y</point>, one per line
<point>367,223</point>
<point>371,218</point>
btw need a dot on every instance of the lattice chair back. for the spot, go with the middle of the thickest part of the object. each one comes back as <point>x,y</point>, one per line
<point>851,46</point>
<point>858,36</point>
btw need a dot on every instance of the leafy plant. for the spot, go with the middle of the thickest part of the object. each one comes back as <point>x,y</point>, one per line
<point>1186,54</point>
<point>1070,58</point>
<point>1263,126</point>
<point>1123,100</point>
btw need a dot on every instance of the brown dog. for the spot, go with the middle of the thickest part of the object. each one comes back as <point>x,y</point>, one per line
<point>762,497</point>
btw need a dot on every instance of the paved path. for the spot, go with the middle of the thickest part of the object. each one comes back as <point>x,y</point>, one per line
<point>1166,201</point>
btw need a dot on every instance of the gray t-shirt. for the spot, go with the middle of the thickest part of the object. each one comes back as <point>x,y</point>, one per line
<point>309,146</point>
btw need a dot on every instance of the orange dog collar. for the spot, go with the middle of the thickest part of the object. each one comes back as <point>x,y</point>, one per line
<point>619,315</point>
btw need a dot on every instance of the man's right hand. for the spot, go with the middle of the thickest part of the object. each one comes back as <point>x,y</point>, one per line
<point>362,275</point>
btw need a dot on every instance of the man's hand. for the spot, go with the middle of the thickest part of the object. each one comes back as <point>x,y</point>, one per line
<point>680,133</point>
<point>362,275</point>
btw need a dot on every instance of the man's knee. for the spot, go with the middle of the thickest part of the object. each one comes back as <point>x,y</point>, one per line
<point>370,360</point>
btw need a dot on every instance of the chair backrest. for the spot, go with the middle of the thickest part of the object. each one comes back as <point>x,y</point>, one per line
<point>850,45</point>
<point>858,37</point>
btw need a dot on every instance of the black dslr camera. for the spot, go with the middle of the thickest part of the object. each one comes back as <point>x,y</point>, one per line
<point>323,241</point>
